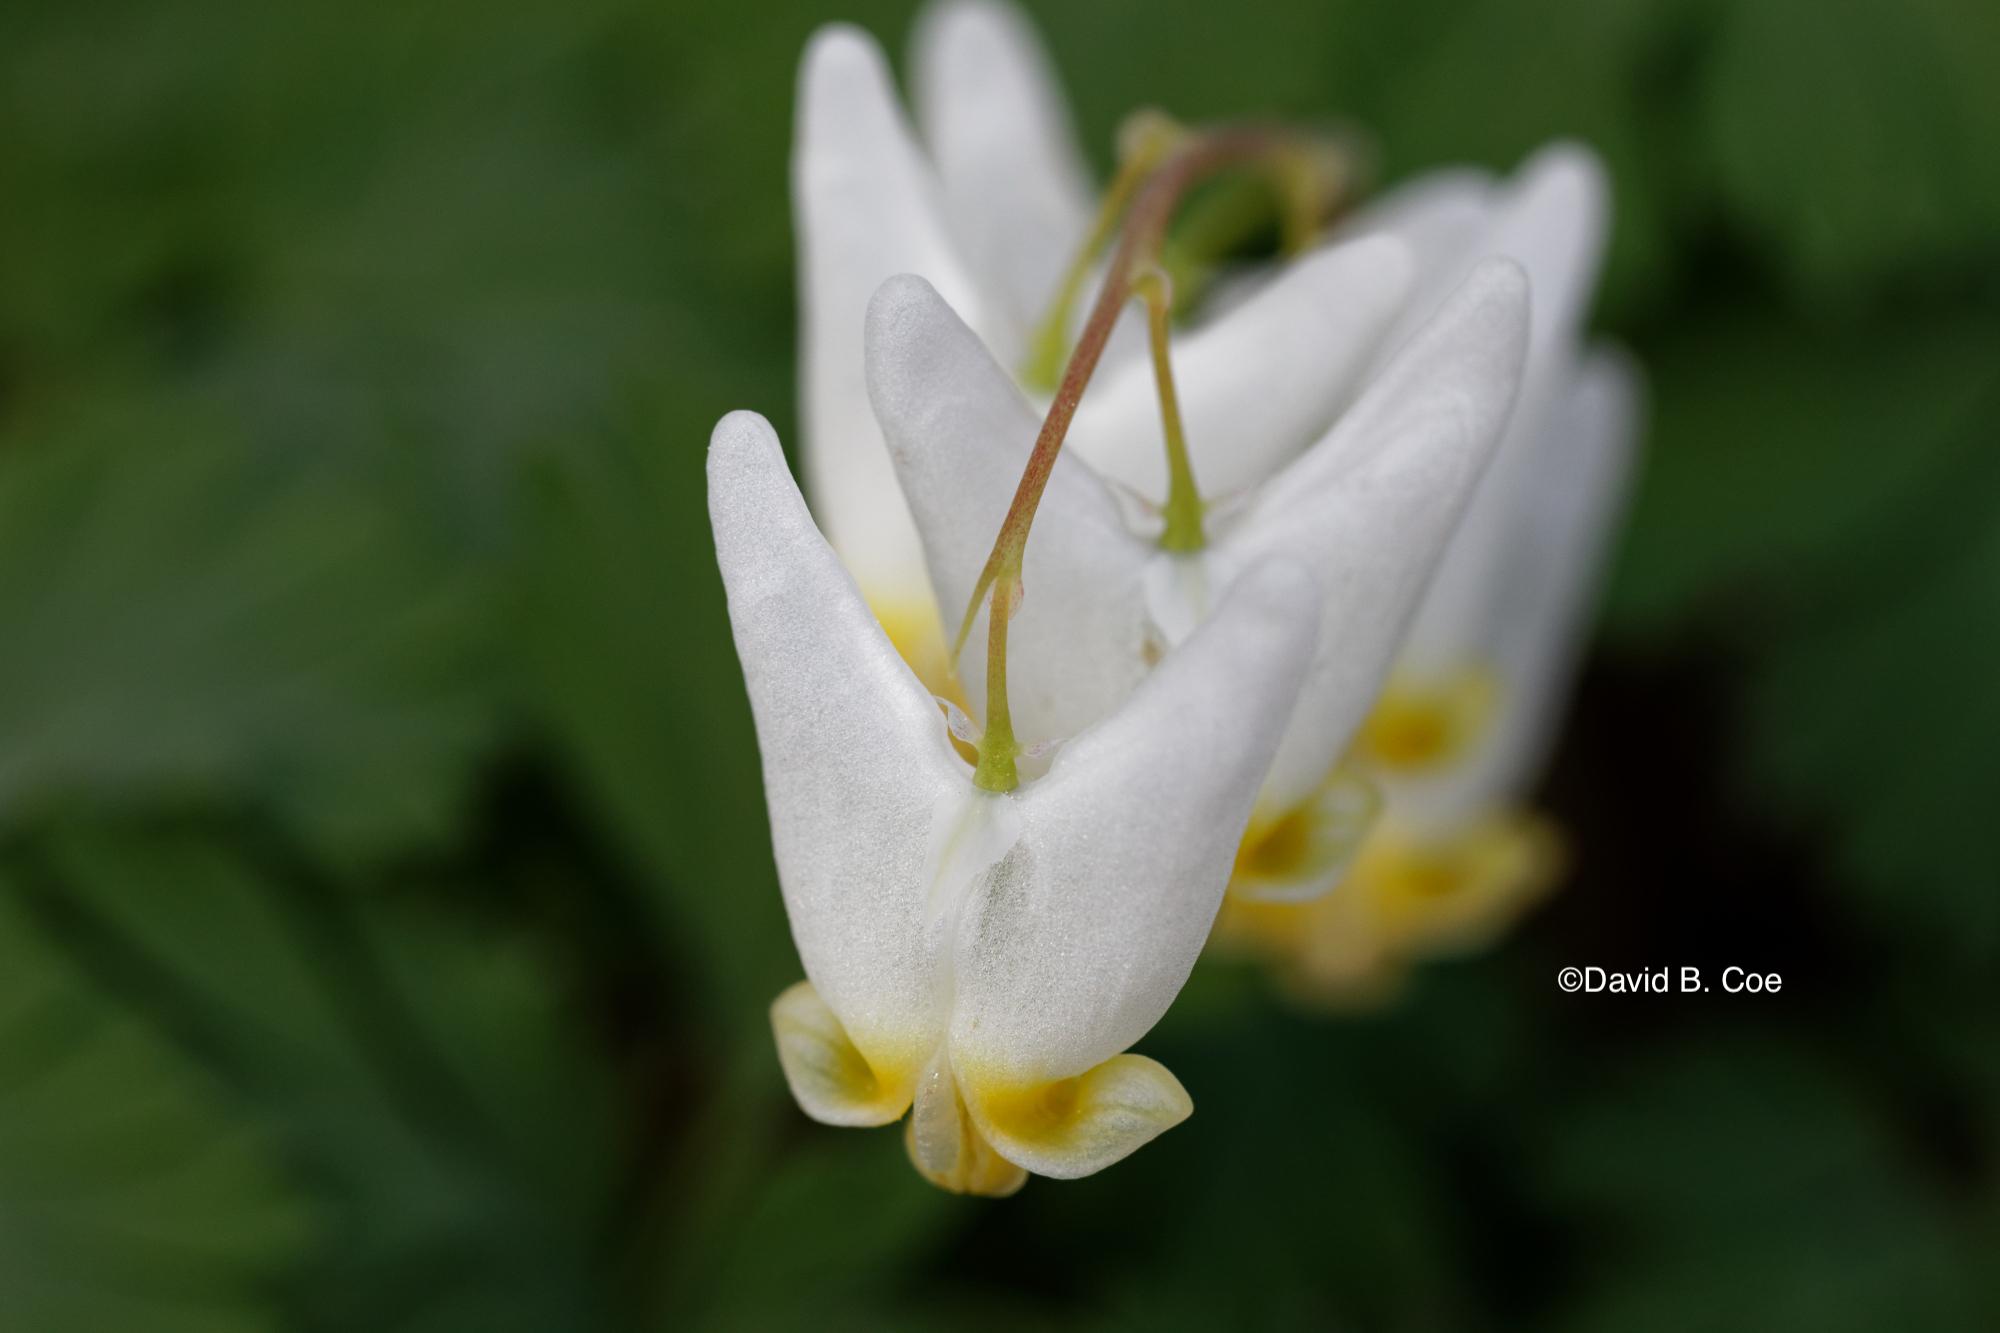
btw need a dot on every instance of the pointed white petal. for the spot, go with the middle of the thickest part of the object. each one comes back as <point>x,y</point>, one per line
<point>1437,214</point>
<point>1369,508</point>
<point>960,435</point>
<point>1015,187</point>
<point>855,755</point>
<point>1089,927</point>
<point>1551,218</point>
<point>866,207</point>
<point>1258,385</point>
<point>1440,216</point>
<point>1551,569</point>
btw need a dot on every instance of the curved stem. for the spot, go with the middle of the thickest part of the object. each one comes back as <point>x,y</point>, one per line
<point>1183,509</point>
<point>1145,140</point>
<point>1143,236</point>
<point>997,747</point>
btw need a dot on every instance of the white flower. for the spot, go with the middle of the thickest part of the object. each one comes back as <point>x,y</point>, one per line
<point>1367,508</point>
<point>1508,597</point>
<point>992,215</point>
<point>1459,734</point>
<point>987,956</point>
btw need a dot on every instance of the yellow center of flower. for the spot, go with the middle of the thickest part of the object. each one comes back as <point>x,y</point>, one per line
<point>1418,727</point>
<point>973,1130</point>
<point>1302,851</point>
<point>917,631</point>
<point>1407,897</point>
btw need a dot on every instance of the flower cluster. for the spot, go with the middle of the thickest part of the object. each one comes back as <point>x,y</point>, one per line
<point>1382,462</point>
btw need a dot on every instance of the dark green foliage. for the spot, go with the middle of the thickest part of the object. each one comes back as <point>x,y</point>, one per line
<point>386,907</point>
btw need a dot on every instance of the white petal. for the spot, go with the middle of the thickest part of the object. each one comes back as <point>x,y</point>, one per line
<point>1089,927</point>
<point>960,435</point>
<point>855,755</point>
<point>866,207</point>
<point>1015,188</point>
<point>1437,214</point>
<point>1551,218</point>
<point>1258,385</point>
<point>1369,508</point>
<point>1550,572</point>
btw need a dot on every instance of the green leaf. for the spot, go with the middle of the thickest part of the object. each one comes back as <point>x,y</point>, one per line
<point>623,620</point>
<point>1877,712</point>
<point>132,1193</point>
<point>1774,446</point>
<point>836,1222</point>
<point>1746,1186</point>
<point>422,1079</point>
<point>1503,77</point>
<point>1859,136</point>
<point>187,622</point>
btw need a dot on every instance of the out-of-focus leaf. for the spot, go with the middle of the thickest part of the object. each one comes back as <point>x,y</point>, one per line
<point>1538,70</point>
<point>1860,135</point>
<point>186,622</point>
<point>419,1077</point>
<point>842,1218</point>
<point>624,621</point>
<point>1773,448</point>
<point>1878,712</point>
<point>132,1196</point>
<point>1746,1187</point>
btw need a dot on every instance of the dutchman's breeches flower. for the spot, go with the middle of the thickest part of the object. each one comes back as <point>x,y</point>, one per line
<point>1458,736</point>
<point>1367,508</point>
<point>1290,436</point>
<point>981,958</point>
<point>993,208</point>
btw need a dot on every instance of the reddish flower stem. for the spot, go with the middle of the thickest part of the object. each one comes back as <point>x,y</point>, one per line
<point>1140,242</point>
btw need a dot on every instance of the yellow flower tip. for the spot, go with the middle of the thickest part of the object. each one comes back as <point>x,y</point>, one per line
<point>1419,727</point>
<point>944,1140</point>
<point>1450,895</point>
<point>974,1135</point>
<point>1303,852</point>
<point>1074,1127</point>
<point>1325,954</point>
<point>975,1168</point>
<point>832,1081</point>
<point>1407,898</point>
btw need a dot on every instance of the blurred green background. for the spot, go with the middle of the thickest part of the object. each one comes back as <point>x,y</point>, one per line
<point>386,909</point>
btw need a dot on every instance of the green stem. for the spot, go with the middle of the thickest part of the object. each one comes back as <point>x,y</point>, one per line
<point>997,747</point>
<point>1141,242</point>
<point>1144,140</point>
<point>1183,511</point>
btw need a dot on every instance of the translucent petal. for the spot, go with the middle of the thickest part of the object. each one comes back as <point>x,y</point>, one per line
<point>1074,1126</point>
<point>1553,563</point>
<point>1015,188</point>
<point>1302,853</point>
<point>1087,929</point>
<point>1258,385</point>
<point>855,754</point>
<point>1369,507</point>
<point>944,1141</point>
<point>1551,218</point>
<point>830,1077</point>
<point>866,207</point>
<point>960,435</point>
